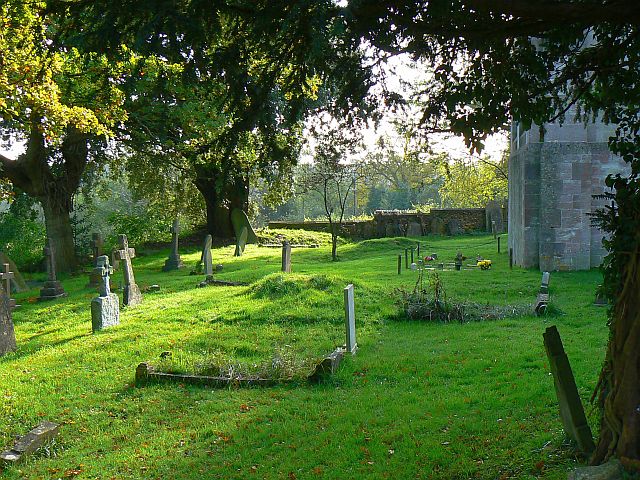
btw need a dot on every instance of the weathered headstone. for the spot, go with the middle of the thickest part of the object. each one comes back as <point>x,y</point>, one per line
<point>414,229</point>
<point>601,299</point>
<point>286,257</point>
<point>52,287</point>
<point>97,242</point>
<point>205,259</point>
<point>571,411</point>
<point>32,441</point>
<point>7,276</point>
<point>350,319</point>
<point>438,227</point>
<point>399,264</point>
<point>454,227</point>
<point>543,295</point>
<point>243,230</point>
<point>131,295</point>
<point>105,308</point>
<point>495,222</point>
<point>174,262</point>
<point>7,334</point>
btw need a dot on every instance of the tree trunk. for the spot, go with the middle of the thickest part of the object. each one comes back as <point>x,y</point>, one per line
<point>54,188</point>
<point>221,200</point>
<point>620,394</point>
<point>58,223</point>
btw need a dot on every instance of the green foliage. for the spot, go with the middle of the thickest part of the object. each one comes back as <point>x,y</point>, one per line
<point>471,184</point>
<point>22,233</point>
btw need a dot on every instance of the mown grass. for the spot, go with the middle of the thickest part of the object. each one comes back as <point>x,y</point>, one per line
<point>419,400</point>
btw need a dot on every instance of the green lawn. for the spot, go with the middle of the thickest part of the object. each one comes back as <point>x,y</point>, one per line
<point>441,401</point>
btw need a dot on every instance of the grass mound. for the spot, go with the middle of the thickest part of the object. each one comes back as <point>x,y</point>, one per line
<point>278,285</point>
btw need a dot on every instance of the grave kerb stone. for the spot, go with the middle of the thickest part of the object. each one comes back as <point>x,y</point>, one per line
<point>350,319</point>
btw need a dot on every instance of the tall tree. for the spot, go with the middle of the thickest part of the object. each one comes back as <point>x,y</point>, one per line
<point>531,61</point>
<point>62,103</point>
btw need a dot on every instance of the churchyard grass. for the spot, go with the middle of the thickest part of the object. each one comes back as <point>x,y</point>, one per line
<point>419,400</point>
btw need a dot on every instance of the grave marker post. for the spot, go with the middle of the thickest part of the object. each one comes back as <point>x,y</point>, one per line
<point>174,262</point>
<point>511,259</point>
<point>498,243</point>
<point>286,257</point>
<point>412,255</point>
<point>406,259</point>
<point>399,264</point>
<point>350,319</point>
<point>571,411</point>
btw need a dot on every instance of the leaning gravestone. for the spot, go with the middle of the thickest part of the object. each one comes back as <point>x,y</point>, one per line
<point>286,257</point>
<point>571,411</point>
<point>52,287</point>
<point>205,260</point>
<point>243,231</point>
<point>350,319</point>
<point>97,242</point>
<point>131,295</point>
<point>7,334</point>
<point>414,229</point>
<point>174,262</point>
<point>105,308</point>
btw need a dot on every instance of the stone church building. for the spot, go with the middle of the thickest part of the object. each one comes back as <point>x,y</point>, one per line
<point>552,180</point>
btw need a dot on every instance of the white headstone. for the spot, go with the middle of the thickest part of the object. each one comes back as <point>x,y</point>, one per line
<point>350,319</point>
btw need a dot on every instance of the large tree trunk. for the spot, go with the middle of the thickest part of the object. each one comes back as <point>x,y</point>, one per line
<point>57,216</point>
<point>221,196</point>
<point>52,186</point>
<point>620,393</point>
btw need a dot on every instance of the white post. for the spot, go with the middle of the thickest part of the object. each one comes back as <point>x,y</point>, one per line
<point>350,319</point>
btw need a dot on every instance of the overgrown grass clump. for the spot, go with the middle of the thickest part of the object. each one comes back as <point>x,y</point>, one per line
<point>295,237</point>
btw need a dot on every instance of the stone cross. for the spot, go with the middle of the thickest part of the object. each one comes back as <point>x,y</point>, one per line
<point>6,276</point>
<point>571,410</point>
<point>174,262</point>
<point>51,264</point>
<point>350,319</point>
<point>286,257</point>
<point>104,270</point>
<point>205,259</point>
<point>105,309</point>
<point>52,287</point>
<point>97,242</point>
<point>131,295</point>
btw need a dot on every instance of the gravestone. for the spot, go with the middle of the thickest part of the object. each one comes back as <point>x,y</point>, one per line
<point>131,295</point>
<point>205,259</point>
<point>414,229</point>
<point>6,276</point>
<point>438,226</point>
<point>286,257</point>
<point>571,411</point>
<point>115,263</point>
<point>52,287</point>
<point>18,283</point>
<point>454,227</point>
<point>7,334</point>
<point>105,308</point>
<point>243,230</point>
<point>543,295</point>
<point>174,262</point>
<point>350,319</point>
<point>97,242</point>
<point>493,213</point>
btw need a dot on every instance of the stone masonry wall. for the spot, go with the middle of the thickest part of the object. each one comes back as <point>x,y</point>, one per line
<point>395,223</point>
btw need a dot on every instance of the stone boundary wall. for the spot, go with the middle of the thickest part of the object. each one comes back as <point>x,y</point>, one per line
<point>399,223</point>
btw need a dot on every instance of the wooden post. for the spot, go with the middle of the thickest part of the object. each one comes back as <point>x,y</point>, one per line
<point>498,243</point>
<point>399,264</point>
<point>412,255</point>
<point>511,258</point>
<point>571,411</point>
<point>418,250</point>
